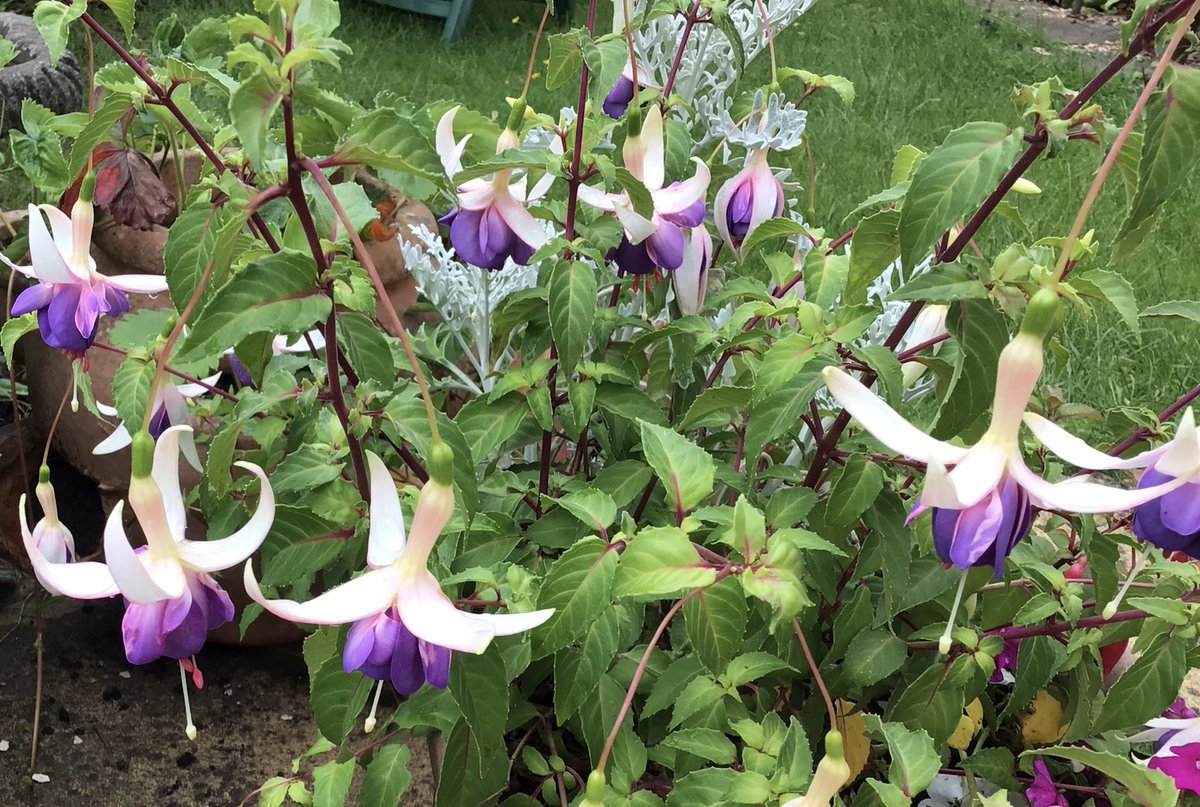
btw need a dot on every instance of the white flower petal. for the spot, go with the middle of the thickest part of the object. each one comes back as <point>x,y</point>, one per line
<point>132,577</point>
<point>356,599</point>
<point>165,472</point>
<point>939,491</point>
<point>449,151</point>
<point>61,227</point>
<point>1079,453</point>
<point>1182,456</point>
<point>138,284</point>
<point>510,624</point>
<point>430,615</point>
<point>594,197</point>
<point>637,227</point>
<point>686,193</point>
<point>49,265</point>
<point>212,556</point>
<point>520,220</point>
<point>885,423</point>
<point>1079,496</point>
<point>119,439</point>
<point>385,541</point>
<point>979,472</point>
<point>652,153</point>
<point>83,581</point>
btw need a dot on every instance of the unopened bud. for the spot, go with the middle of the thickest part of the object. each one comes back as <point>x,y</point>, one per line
<point>1042,314</point>
<point>143,454</point>
<point>441,464</point>
<point>832,773</point>
<point>595,790</point>
<point>1023,185</point>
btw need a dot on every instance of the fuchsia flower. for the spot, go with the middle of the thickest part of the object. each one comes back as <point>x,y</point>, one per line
<point>171,598</point>
<point>170,409</point>
<point>1006,663</point>
<point>659,240</point>
<point>50,537</point>
<point>690,280</point>
<point>1177,738</point>
<point>983,506</point>
<point>747,199</point>
<point>1042,792</point>
<point>1170,522</point>
<point>404,627</point>
<point>71,295</point>
<point>623,92</point>
<point>490,224</point>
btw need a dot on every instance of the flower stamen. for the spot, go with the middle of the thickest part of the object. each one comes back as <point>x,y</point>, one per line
<point>945,643</point>
<point>1115,603</point>
<point>370,722</point>
<point>190,728</point>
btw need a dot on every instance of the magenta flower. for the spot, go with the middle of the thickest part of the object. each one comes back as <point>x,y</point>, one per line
<point>747,199</point>
<point>1006,663</point>
<point>658,241</point>
<point>1177,739</point>
<point>490,224</point>
<point>1042,792</point>
<point>71,296</point>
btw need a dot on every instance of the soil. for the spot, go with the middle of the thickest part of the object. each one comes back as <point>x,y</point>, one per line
<point>1093,33</point>
<point>112,734</point>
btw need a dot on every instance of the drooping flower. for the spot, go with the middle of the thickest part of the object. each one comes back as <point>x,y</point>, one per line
<point>930,324</point>
<point>171,598</point>
<point>313,340</point>
<point>690,280</point>
<point>169,409</point>
<point>50,537</point>
<point>1042,791</point>
<point>1177,745</point>
<point>1006,663</point>
<point>983,506</point>
<point>70,295</point>
<point>404,627</point>
<point>832,773</point>
<point>1170,521</point>
<point>747,199</point>
<point>490,223</point>
<point>623,91</point>
<point>658,240</point>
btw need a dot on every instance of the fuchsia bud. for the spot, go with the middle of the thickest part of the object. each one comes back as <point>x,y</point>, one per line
<point>832,773</point>
<point>748,199</point>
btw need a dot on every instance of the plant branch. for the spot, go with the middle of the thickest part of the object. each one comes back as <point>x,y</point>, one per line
<point>816,674</point>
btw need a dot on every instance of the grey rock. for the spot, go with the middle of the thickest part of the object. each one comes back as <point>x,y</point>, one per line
<point>31,76</point>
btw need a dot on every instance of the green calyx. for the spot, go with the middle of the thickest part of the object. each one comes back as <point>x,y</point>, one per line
<point>441,464</point>
<point>635,118</point>
<point>87,188</point>
<point>1042,314</point>
<point>143,454</point>
<point>43,475</point>
<point>516,115</point>
<point>833,746</point>
<point>595,790</point>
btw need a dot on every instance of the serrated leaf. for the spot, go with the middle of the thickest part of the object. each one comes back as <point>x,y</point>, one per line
<point>708,744</point>
<point>874,655</point>
<point>13,330</point>
<point>1175,309</point>
<point>566,59</point>
<point>873,248</point>
<point>131,389</point>
<point>123,10</point>
<point>1150,787</point>
<point>943,283</point>
<point>1146,689</point>
<point>578,585</point>
<point>572,309</point>
<point>577,673</point>
<point>700,693</point>
<point>716,623</point>
<point>331,783</point>
<point>951,181</point>
<point>201,240</point>
<point>1113,289</point>
<point>387,778</point>
<point>1038,659</point>
<point>252,107</point>
<point>982,334</point>
<point>384,138</point>
<point>337,698</point>
<point>715,407</point>
<point>772,229</point>
<point>593,507</point>
<point>98,127</point>
<point>479,685</point>
<point>779,413</point>
<point>53,20</point>
<point>915,760</point>
<point>660,561</point>
<point>686,469</point>
<point>857,485</point>
<point>750,667</point>
<point>366,348</point>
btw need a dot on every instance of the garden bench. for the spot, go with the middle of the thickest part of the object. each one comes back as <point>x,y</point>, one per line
<point>455,12</point>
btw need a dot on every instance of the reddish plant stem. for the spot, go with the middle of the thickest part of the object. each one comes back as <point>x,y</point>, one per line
<point>338,399</point>
<point>164,98</point>
<point>908,355</point>
<point>689,24</point>
<point>575,179</point>
<point>178,374</point>
<point>1057,785</point>
<point>1142,432</point>
<point>816,674</point>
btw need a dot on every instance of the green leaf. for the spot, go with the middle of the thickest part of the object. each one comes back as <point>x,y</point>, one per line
<point>982,334</point>
<point>479,685</point>
<point>943,283</point>
<point>123,11</point>
<point>1169,150</point>
<point>572,309</point>
<point>487,423</point>
<point>749,787</point>
<point>577,587</point>
<point>708,744</point>
<point>593,507</point>
<point>298,544</point>
<point>1038,659</point>
<point>874,655</point>
<point>1146,689</point>
<point>779,414</point>
<point>275,294</point>
<point>331,783</point>
<point>686,469</point>
<point>577,673</point>
<point>8,52</point>
<point>996,765</point>
<point>201,240</point>
<point>387,778</point>
<point>131,388</point>
<point>1175,309</point>
<point>1150,787</point>
<point>875,245</point>
<point>782,362</point>
<point>306,469</point>
<point>770,230</point>
<point>383,138</point>
<point>337,698</point>
<point>220,455</point>
<point>13,330</point>
<point>856,487</point>
<point>889,795</point>
<point>37,150</point>
<point>915,760</point>
<point>951,181</point>
<point>715,407</point>
<point>716,623</point>
<point>930,703</point>
<point>1036,609</point>
<point>700,693</point>
<point>252,107</point>
<point>671,682</point>
<point>660,561</point>
<point>53,20</point>
<point>750,667</point>
<point>98,128</point>
<point>702,788</point>
<point>366,348</point>
<point>566,59</point>
<point>1113,289</point>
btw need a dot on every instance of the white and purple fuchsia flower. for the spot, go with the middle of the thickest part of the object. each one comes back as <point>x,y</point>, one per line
<point>172,601</point>
<point>747,199</point>
<point>70,295</point>
<point>677,218</point>
<point>313,340</point>
<point>169,409</point>
<point>690,280</point>
<point>623,92</point>
<point>984,505</point>
<point>50,537</point>
<point>404,628</point>
<point>1177,745</point>
<point>490,223</point>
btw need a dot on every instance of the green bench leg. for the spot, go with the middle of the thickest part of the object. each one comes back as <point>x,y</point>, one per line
<point>457,19</point>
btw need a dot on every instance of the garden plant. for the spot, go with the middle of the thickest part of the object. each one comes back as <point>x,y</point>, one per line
<point>676,493</point>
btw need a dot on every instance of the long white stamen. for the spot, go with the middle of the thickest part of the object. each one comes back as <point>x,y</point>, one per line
<point>369,724</point>
<point>1112,607</point>
<point>75,369</point>
<point>190,729</point>
<point>946,642</point>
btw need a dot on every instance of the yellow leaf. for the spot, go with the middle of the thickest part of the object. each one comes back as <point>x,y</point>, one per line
<point>968,726</point>
<point>1043,723</point>
<point>854,739</point>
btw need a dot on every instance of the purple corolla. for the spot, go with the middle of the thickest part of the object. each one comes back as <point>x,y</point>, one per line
<point>747,199</point>
<point>1042,792</point>
<point>169,408</point>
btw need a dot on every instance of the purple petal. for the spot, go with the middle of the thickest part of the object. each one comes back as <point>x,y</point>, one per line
<point>240,372</point>
<point>140,631</point>
<point>666,246</point>
<point>160,422</point>
<point>449,218</point>
<point>633,259</point>
<point>32,299</point>
<point>741,208</point>
<point>57,320</point>
<point>1180,509</point>
<point>407,672</point>
<point>216,602</point>
<point>436,662</point>
<point>88,311</point>
<point>471,238</point>
<point>619,97</point>
<point>117,302</point>
<point>691,216</point>
<point>360,640</point>
<point>1148,522</point>
<point>1183,766</point>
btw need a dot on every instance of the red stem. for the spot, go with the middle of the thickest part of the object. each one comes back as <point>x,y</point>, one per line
<point>692,16</point>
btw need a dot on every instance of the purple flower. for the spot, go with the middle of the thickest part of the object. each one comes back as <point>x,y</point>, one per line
<point>1006,663</point>
<point>71,295</point>
<point>1042,792</point>
<point>623,92</point>
<point>984,533</point>
<point>385,650</point>
<point>1176,735</point>
<point>1171,522</point>
<point>169,407</point>
<point>747,199</point>
<point>175,628</point>
<point>1182,765</point>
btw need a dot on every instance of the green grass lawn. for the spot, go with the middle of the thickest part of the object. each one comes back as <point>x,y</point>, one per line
<point>920,68</point>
